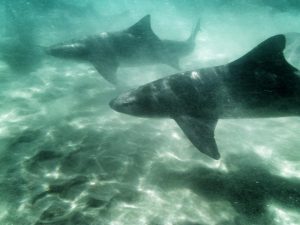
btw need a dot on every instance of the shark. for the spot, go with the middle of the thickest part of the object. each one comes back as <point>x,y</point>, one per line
<point>260,84</point>
<point>134,46</point>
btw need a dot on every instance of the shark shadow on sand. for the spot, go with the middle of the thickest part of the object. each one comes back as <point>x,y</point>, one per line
<point>249,187</point>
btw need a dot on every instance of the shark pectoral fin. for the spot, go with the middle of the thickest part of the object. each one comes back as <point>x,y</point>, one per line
<point>107,68</point>
<point>201,133</point>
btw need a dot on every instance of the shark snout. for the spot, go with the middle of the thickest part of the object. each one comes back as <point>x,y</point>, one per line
<point>72,50</point>
<point>55,50</point>
<point>124,103</point>
<point>143,101</point>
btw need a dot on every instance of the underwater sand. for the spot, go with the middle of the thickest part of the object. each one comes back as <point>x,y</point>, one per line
<point>67,158</point>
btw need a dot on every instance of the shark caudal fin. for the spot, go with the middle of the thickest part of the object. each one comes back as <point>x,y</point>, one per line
<point>200,132</point>
<point>194,32</point>
<point>268,55</point>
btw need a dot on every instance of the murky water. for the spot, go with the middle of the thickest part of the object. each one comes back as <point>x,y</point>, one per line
<point>67,158</point>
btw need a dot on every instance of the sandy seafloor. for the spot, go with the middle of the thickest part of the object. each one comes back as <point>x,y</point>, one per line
<point>67,158</point>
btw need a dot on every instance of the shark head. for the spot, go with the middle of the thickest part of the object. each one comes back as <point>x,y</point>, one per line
<point>138,102</point>
<point>71,50</point>
<point>156,99</point>
<point>127,103</point>
<point>165,97</point>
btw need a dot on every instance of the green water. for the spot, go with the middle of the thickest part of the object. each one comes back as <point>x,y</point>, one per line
<point>67,158</point>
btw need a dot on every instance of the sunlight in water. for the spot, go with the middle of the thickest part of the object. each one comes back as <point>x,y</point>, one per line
<point>284,217</point>
<point>67,158</point>
<point>54,174</point>
<point>289,169</point>
<point>9,117</point>
<point>264,151</point>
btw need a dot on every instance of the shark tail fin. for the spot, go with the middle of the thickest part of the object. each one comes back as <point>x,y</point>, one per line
<point>194,32</point>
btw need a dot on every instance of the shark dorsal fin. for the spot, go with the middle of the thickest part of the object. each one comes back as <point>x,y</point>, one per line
<point>268,54</point>
<point>142,28</point>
